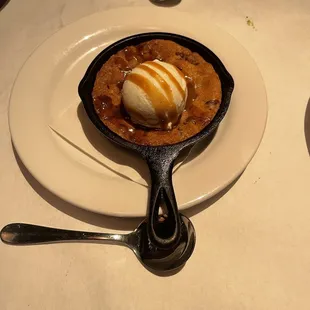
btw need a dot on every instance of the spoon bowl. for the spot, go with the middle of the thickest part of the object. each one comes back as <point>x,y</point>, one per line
<point>152,257</point>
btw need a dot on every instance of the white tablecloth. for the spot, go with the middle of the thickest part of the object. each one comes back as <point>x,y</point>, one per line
<point>252,247</point>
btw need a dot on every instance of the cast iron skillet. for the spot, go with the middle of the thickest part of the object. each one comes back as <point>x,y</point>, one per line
<point>160,159</point>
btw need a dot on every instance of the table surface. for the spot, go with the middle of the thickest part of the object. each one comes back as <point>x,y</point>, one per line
<point>253,240</point>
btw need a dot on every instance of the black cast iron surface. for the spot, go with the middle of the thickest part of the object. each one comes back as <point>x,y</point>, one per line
<point>160,159</point>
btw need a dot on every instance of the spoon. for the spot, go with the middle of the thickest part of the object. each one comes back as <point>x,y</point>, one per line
<point>152,257</point>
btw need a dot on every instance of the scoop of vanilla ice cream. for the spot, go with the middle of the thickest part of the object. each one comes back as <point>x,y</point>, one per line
<point>154,94</point>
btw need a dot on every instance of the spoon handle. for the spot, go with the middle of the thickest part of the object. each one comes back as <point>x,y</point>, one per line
<point>22,234</point>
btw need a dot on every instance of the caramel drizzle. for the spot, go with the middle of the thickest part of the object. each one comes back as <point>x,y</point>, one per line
<point>170,75</point>
<point>164,108</point>
<point>164,85</point>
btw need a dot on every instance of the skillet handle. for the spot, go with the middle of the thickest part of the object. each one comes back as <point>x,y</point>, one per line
<point>163,231</point>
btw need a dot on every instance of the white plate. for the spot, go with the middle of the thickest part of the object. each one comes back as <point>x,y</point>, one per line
<point>50,77</point>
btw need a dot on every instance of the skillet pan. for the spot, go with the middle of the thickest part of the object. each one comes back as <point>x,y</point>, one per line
<point>160,159</point>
